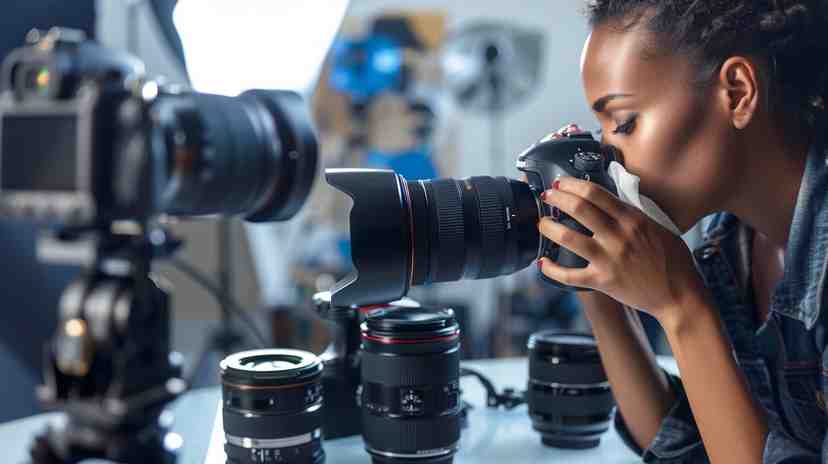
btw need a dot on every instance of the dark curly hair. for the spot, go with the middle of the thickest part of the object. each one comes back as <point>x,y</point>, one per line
<point>791,36</point>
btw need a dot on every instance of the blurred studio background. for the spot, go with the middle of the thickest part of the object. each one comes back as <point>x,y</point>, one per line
<point>428,88</point>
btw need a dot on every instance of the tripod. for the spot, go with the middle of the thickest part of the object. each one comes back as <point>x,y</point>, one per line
<point>109,366</point>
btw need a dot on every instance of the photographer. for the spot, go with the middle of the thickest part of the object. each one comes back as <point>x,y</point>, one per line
<point>717,106</point>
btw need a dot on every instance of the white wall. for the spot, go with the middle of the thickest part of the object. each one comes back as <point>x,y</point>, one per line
<point>560,98</point>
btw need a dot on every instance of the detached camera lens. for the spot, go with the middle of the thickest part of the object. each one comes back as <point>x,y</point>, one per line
<point>272,407</point>
<point>410,385</point>
<point>569,397</point>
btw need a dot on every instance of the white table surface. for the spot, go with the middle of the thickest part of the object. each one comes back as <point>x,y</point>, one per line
<point>493,435</point>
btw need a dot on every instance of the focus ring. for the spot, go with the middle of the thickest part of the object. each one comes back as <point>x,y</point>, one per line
<point>439,368</point>
<point>249,424</point>
<point>450,246</point>
<point>580,374</point>
<point>492,225</point>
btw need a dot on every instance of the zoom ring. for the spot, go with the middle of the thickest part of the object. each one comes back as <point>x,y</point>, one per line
<point>438,368</point>
<point>451,247</point>
<point>493,227</point>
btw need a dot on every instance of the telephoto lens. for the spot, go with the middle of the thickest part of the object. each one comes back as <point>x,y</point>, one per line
<point>410,398</point>
<point>272,407</point>
<point>569,397</point>
<point>407,233</point>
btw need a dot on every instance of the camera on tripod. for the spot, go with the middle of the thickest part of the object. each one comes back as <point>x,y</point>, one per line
<point>88,143</point>
<point>86,139</point>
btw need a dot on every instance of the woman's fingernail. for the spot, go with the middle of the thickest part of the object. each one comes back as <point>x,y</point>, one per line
<point>556,184</point>
<point>540,264</point>
<point>543,196</point>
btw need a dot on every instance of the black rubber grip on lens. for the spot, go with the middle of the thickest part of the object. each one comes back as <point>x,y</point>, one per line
<point>546,402</point>
<point>426,369</point>
<point>492,213</point>
<point>448,255</point>
<point>578,374</point>
<point>411,435</point>
<point>242,423</point>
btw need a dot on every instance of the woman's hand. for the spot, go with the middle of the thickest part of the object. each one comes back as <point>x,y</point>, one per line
<point>632,258</point>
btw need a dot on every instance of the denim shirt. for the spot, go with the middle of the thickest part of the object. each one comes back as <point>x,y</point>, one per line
<point>783,358</point>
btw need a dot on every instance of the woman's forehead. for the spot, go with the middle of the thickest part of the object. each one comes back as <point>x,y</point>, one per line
<point>613,61</point>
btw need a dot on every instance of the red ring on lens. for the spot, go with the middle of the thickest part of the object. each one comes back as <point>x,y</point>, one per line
<point>397,341</point>
<point>365,309</point>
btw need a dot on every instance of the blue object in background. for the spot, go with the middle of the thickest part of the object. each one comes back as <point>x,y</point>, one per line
<point>412,164</point>
<point>364,68</point>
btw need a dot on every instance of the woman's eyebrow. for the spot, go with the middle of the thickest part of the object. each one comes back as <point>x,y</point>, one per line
<point>601,103</point>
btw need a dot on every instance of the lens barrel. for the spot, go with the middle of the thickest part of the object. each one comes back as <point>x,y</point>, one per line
<point>569,397</point>
<point>272,407</point>
<point>408,233</point>
<point>474,228</point>
<point>254,155</point>
<point>411,385</point>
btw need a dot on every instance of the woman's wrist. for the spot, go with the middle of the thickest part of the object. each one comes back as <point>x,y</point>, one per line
<point>692,305</point>
<point>600,309</point>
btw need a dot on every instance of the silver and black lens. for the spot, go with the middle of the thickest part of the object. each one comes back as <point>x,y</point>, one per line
<point>569,397</point>
<point>410,385</point>
<point>272,407</point>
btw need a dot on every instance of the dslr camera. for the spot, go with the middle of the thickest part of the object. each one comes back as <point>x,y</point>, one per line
<point>407,233</point>
<point>86,139</point>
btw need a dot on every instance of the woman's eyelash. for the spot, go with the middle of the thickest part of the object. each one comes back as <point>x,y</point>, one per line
<point>626,127</point>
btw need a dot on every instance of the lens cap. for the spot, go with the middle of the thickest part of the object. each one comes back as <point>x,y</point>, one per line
<point>395,321</point>
<point>556,341</point>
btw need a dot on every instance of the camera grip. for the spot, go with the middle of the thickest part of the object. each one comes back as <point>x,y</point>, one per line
<point>565,257</point>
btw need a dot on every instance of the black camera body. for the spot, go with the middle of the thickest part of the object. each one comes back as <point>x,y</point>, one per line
<point>86,138</point>
<point>576,155</point>
<point>58,93</point>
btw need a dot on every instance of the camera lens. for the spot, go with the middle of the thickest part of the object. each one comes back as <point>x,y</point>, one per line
<point>410,385</point>
<point>408,233</point>
<point>255,154</point>
<point>569,397</point>
<point>272,407</point>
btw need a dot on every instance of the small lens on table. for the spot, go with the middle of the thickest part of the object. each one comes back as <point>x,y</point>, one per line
<point>411,385</point>
<point>272,407</point>
<point>569,397</point>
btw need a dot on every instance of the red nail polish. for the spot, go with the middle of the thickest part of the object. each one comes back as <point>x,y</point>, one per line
<point>540,265</point>
<point>556,184</point>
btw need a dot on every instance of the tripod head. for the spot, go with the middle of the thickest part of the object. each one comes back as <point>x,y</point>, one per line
<point>109,365</point>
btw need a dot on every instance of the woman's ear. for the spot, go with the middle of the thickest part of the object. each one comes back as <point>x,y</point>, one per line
<point>739,84</point>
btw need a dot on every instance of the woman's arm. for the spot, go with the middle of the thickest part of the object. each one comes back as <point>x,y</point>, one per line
<point>641,264</point>
<point>733,427</point>
<point>640,387</point>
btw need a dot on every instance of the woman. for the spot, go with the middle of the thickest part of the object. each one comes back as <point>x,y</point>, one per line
<point>717,106</point>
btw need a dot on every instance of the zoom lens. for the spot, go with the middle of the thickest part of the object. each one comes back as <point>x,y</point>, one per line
<point>408,233</point>
<point>410,385</point>
<point>254,154</point>
<point>569,397</point>
<point>272,407</point>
